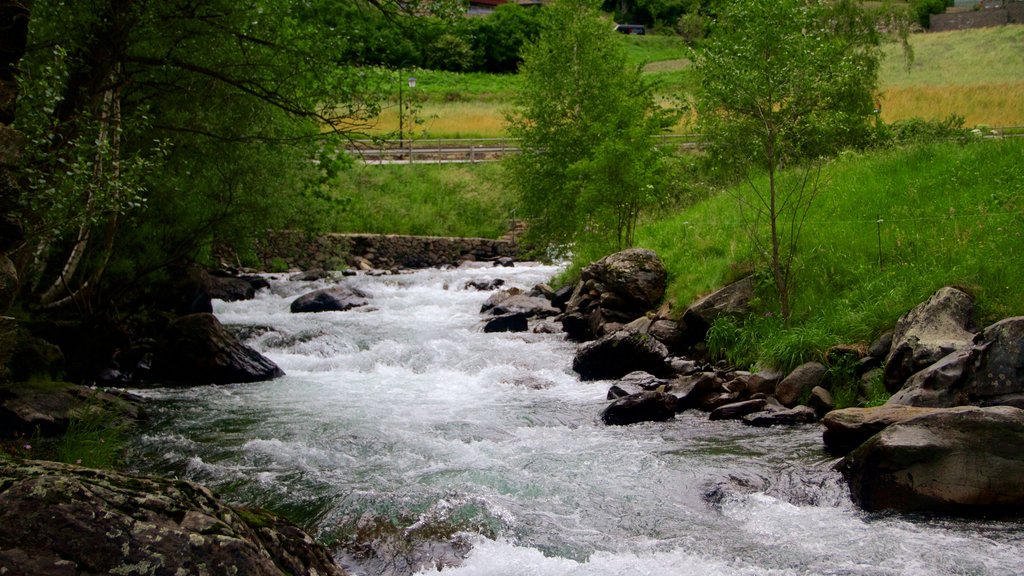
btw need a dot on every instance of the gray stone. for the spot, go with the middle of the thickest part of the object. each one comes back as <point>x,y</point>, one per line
<point>924,335</point>
<point>648,406</point>
<point>964,461</point>
<point>848,428</point>
<point>514,300</point>
<point>821,400</point>
<point>989,373</point>
<point>618,354</point>
<point>514,322</point>
<point>804,378</point>
<point>336,299</point>
<point>787,417</point>
<point>691,390</point>
<point>737,410</point>
<point>61,519</point>
<point>636,275</point>
<point>730,299</point>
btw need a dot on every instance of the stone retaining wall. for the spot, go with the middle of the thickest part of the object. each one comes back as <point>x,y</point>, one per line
<point>1011,13</point>
<point>288,250</point>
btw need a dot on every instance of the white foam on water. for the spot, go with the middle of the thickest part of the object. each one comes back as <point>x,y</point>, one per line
<point>405,411</point>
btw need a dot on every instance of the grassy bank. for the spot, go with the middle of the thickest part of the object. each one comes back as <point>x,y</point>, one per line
<point>433,200</point>
<point>888,229</point>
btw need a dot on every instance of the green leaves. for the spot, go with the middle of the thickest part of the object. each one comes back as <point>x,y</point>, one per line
<point>585,119</point>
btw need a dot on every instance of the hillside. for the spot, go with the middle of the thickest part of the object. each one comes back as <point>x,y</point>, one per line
<point>887,230</point>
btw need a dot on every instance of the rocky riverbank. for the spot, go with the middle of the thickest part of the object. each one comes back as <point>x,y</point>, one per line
<point>943,443</point>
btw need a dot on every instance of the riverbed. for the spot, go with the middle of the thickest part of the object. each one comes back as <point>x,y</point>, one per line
<point>409,441</point>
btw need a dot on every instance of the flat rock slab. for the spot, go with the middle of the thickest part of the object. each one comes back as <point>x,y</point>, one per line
<point>61,519</point>
<point>963,461</point>
<point>848,428</point>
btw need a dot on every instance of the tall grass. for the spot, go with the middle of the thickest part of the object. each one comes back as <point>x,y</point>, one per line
<point>889,229</point>
<point>995,105</point>
<point>468,200</point>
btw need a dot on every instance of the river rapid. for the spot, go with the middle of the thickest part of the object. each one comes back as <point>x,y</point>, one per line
<point>410,441</point>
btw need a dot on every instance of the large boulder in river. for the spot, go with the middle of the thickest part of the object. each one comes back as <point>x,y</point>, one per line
<point>989,373</point>
<point>647,406</point>
<point>636,276</point>
<point>964,461</point>
<point>848,428</point>
<point>516,301</point>
<point>60,519</point>
<point>336,299</point>
<point>932,330</point>
<point>613,356</point>
<point>196,349</point>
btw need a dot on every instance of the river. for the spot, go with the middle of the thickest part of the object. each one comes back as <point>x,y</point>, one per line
<point>409,440</point>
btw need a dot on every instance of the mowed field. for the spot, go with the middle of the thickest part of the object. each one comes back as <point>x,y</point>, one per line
<point>975,74</point>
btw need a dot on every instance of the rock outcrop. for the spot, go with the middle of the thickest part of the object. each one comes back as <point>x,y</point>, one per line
<point>613,292</point>
<point>618,354</point>
<point>927,333</point>
<point>336,299</point>
<point>848,428</point>
<point>60,519</point>
<point>196,349</point>
<point>647,406</point>
<point>28,409</point>
<point>964,461</point>
<point>988,373</point>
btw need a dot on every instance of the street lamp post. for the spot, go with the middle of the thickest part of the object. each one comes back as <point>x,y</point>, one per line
<point>401,110</point>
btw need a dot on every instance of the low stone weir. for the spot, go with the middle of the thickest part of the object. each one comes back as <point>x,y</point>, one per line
<point>284,250</point>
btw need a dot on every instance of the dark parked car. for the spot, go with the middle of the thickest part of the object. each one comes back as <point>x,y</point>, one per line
<point>630,28</point>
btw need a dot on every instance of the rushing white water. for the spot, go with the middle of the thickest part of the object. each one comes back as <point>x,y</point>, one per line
<point>410,440</point>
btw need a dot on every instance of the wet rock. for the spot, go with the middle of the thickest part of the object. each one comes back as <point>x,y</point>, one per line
<point>731,299</point>
<point>788,417</point>
<point>804,378</point>
<point>314,275</point>
<point>932,330</point>
<point>644,380</point>
<point>57,519</point>
<point>505,262</point>
<point>821,400</point>
<point>514,322</point>
<point>692,390</point>
<point>964,461</point>
<point>47,409</point>
<point>636,276</point>
<point>988,373</point>
<point>737,410</point>
<point>197,349</point>
<point>514,301</point>
<point>848,428</point>
<point>648,406</point>
<point>616,355</point>
<point>336,299</point>
<point>484,285</point>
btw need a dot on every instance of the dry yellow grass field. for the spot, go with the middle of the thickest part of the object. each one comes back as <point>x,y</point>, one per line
<point>975,74</point>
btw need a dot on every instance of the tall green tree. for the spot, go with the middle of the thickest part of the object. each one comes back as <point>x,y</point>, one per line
<point>586,119</point>
<point>783,84</point>
<point>159,128</point>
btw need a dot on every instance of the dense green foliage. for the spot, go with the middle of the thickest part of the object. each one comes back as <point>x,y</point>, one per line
<point>784,83</point>
<point>158,129</point>
<point>585,119</point>
<point>890,228</point>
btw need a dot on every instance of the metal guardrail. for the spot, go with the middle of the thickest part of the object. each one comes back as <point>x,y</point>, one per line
<point>473,150</point>
<point>466,150</point>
